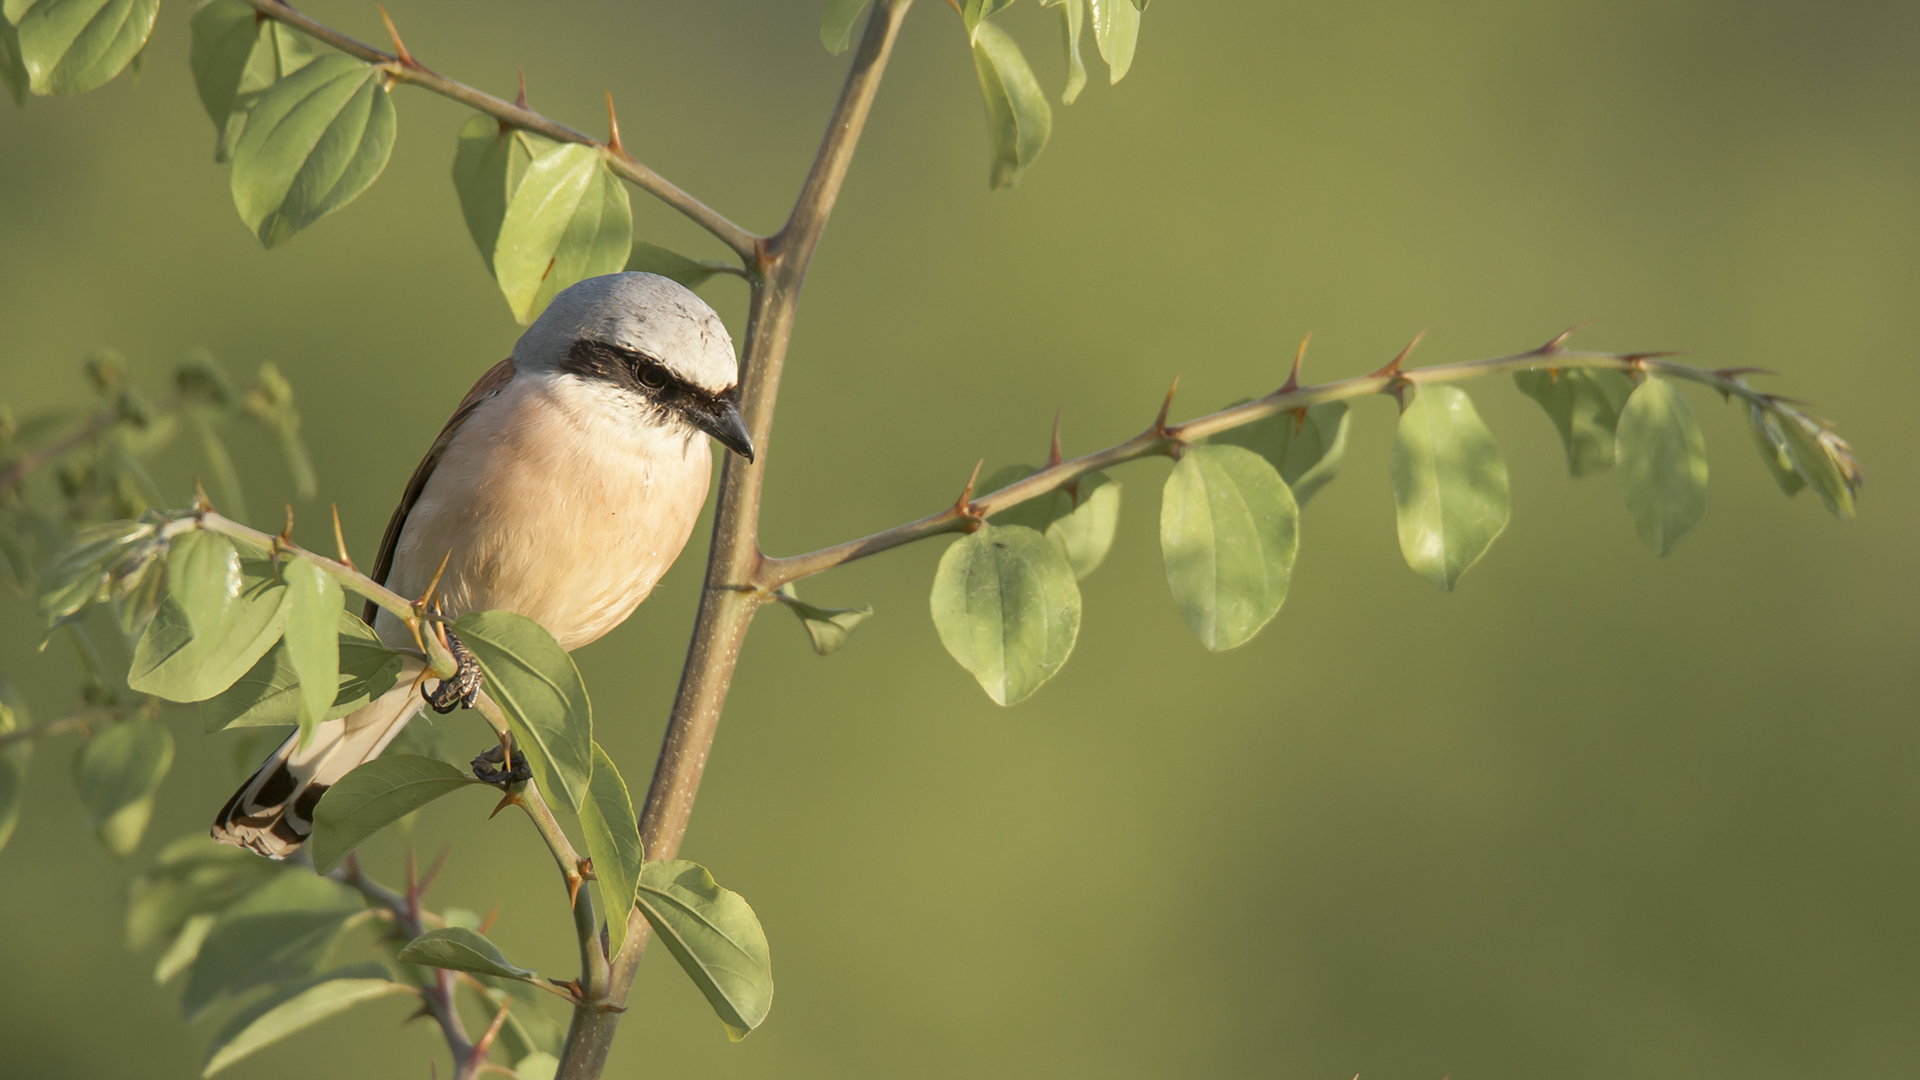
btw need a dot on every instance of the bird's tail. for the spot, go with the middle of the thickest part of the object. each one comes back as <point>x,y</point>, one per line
<point>272,813</point>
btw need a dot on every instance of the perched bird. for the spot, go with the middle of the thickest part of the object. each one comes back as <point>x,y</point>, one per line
<point>564,485</point>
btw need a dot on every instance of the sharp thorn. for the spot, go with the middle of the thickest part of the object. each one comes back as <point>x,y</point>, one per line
<point>1160,421</point>
<point>426,600</point>
<point>1053,455</point>
<point>423,1013</point>
<point>201,504</point>
<point>412,873</point>
<point>1560,339</point>
<point>439,863</point>
<point>574,881</point>
<point>1393,368</point>
<point>586,869</point>
<point>963,506</point>
<point>486,924</point>
<point>286,534</point>
<point>509,799</point>
<point>1293,377</point>
<point>520,98</point>
<point>1736,372</point>
<point>613,129</point>
<point>1639,356</point>
<point>340,541</point>
<point>399,47</point>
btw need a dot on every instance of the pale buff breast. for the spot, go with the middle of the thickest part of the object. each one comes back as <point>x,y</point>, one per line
<point>559,501</point>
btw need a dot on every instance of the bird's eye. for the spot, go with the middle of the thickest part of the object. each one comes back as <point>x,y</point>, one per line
<point>652,378</point>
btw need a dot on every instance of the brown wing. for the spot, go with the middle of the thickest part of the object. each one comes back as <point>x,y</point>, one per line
<point>490,384</point>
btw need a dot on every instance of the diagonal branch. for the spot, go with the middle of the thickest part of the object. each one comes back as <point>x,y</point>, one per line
<point>405,69</point>
<point>1160,440</point>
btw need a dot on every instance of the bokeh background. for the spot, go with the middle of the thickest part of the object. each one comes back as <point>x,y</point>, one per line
<point>1596,814</point>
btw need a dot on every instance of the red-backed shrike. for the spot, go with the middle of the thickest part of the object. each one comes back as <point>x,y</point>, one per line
<point>565,484</point>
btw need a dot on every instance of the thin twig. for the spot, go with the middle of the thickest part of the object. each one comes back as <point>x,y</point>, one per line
<point>78,719</point>
<point>409,71</point>
<point>25,465</point>
<point>408,920</point>
<point>1156,441</point>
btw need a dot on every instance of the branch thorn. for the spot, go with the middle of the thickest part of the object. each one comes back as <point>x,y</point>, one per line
<point>425,602</point>
<point>1293,377</point>
<point>399,47</point>
<point>1392,370</point>
<point>963,506</point>
<point>1053,455</point>
<point>286,534</point>
<point>1160,421</point>
<point>486,924</point>
<point>613,129</point>
<point>1736,372</point>
<point>201,504</point>
<point>520,98</point>
<point>509,799</point>
<point>574,881</point>
<point>433,871</point>
<point>1560,340</point>
<point>340,541</point>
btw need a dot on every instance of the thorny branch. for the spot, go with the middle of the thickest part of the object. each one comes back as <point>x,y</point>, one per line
<point>408,920</point>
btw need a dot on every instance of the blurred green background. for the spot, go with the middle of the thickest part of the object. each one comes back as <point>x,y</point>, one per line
<point>1597,814</point>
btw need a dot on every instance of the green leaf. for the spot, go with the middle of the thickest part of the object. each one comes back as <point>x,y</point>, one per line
<point>459,949</point>
<point>312,639</point>
<point>171,662</point>
<point>184,949</point>
<point>836,25</point>
<point>827,628</point>
<point>1116,27</point>
<point>203,579</point>
<point>489,162</point>
<point>1080,519</point>
<point>1007,608</point>
<point>534,682</point>
<point>1663,464</point>
<point>1229,530</point>
<point>1307,446</point>
<point>1774,451</point>
<point>1449,484</point>
<point>1073,16</point>
<point>1825,461</point>
<point>117,772</point>
<point>268,695</point>
<point>280,932</point>
<point>236,56</point>
<point>1584,406</point>
<point>10,784</point>
<point>192,876</point>
<point>313,142</point>
<point>13,69</point>
<point>974,12</point>
<point>293,1008</point>
<point>613,842</point>
<point>693,273</point>
<point>568,220</point>
<point>373,796</point>
<point>72,46</point>
<point>1018,118</point>
<point>78,574</point>
<point>716,938</point>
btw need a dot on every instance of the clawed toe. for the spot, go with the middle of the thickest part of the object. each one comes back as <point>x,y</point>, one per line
<point>461,691</point>
<point>484,768</point>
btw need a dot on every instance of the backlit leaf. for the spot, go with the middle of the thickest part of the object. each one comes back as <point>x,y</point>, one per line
<point>279,932</point>
<point>1080,519</point>
<point>717,939</point>
<point>1007,608</point>
<point>191,876</point>
<point>488,163</point>
<point>72,46</point>
<point>268,695</point>
<point>653,259</point>
<point>1307,446</point>
<point>613,842</point>
<point>313,142</point>
<point>1584,405</point>
<point>1449,484</point>
<point>373,796</point>
<point>237,54</point>
<point>77,575</point>
<point>292,1008</point>
<point>459,949</point>
<point>1229,530</point>
<point>535,683</point>
<point>1018,117</point>
<point>203,579</point>
<point>567,220</point>
<point>1073,16</point>
<point>836,25</point>
<point>312,639</point>
<point>974,12</point>
<point>117,771</point>
<point>184,949</point>
<point>827,628</point>
<point>1663,464</point>
<point>1826,463</point>
<point>1116,28</point>
<point>171,662</point>
<point>1774,451</point>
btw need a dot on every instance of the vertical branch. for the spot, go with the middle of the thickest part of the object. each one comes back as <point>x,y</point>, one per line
<point>725,608</point>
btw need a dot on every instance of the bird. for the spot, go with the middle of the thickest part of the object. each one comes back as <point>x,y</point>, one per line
<point>564,485</point>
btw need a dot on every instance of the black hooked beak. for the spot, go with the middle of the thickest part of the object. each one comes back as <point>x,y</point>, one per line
<point>724,422</point>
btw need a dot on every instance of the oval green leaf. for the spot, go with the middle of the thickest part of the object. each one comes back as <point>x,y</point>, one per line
<point>1449,484</point>
<point>717,939</point>
<point>313,142</point>
<point>72,46</point>
<point>1007,608</point>
<point>268,695</point>
<point>292,1008</point>
<point>236,56</point>
<point>373,796</point>
<point>567,220</point>
<point>613,842</point>
<point>652,259</point>
<point>836,24</point>
<point>279,932</point>
<point>1229,530</point>
<point>171,662</point>
<point>203,579</point>
<point>1772,444</point>
<point>488,163</point>
<point>458,949</point>
<point>1018,117</point>
<point>1663,464</point>
<point>535,683</point>
<point>1584,405</point>
<point>312,639</point>
<point>1116,28</point>
<point>1306,445</point>
<point>117,772</point>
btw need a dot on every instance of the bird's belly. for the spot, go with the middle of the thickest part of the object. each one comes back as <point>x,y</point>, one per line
<point>567,519</point>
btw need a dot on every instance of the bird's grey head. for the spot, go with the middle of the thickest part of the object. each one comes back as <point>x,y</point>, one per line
<point>650,337</point>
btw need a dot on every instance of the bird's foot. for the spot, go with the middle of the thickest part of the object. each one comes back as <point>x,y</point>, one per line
<point>461,691</point>
<point>484,767</point>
